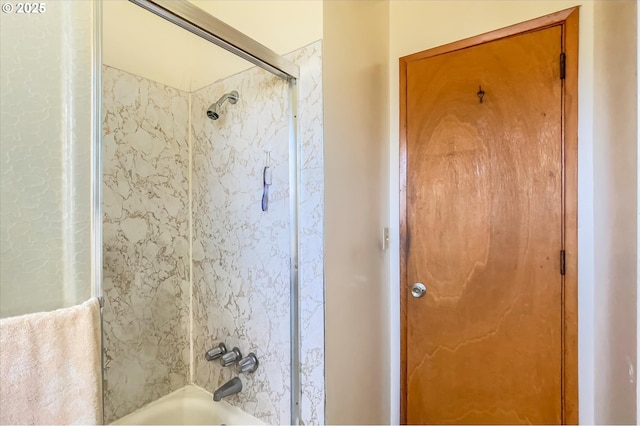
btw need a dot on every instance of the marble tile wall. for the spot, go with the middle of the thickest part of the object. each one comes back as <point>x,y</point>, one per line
<point>311,241</point>
<point>240,253</point>
<point>146,241</point>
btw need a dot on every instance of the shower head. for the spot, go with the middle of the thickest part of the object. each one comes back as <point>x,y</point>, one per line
<point>214,109</point>
<point>213,112</point>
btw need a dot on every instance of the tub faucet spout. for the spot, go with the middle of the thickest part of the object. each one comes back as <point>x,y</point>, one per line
<point>232,387</point>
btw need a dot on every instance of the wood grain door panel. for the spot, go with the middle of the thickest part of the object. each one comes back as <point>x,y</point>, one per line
<point>484,230</point>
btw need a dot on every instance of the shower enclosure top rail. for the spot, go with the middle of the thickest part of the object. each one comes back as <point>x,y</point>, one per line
<point>200,23</point>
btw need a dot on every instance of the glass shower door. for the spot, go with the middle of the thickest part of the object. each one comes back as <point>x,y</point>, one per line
<point>46,154</point>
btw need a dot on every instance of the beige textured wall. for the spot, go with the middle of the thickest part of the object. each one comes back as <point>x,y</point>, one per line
<point>615,213</point>
<point>356,37</point>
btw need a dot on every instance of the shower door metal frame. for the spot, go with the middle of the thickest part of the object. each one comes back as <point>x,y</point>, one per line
<point>96,154</point>
<point>97,289</point>
<point>195,20</point>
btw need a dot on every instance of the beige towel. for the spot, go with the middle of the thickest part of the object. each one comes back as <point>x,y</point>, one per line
<point>50,367</point>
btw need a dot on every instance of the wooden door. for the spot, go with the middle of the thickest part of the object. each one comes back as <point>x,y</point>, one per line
<point>484,231</point>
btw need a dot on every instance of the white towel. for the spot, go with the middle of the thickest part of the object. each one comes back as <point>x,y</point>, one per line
<point>50,367</point>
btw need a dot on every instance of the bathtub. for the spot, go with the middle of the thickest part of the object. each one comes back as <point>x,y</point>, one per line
<point>189,405</point>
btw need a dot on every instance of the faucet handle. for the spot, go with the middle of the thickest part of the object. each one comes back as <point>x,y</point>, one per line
<point>215,352</point>
<point>248,364</point>
<point>230,357</point>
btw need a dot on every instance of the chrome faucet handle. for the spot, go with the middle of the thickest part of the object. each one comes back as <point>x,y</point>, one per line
<point>230,357</point>
<point>215,352</point>
<point>248,364</point>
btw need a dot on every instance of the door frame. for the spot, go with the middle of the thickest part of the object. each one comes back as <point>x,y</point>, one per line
<point>568,20</point>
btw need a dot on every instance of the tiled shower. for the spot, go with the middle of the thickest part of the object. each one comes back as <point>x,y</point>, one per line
<point>190,258</point>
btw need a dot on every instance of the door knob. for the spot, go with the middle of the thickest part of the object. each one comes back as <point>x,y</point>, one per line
<point>418,290</point>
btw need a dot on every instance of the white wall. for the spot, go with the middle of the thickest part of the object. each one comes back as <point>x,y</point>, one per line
<point>615,210</point>
<point>143,44</point>
<point>355,82</point>
<point>417,26</point>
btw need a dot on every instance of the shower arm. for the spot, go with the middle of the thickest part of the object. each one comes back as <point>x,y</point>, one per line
<point>232,97</point>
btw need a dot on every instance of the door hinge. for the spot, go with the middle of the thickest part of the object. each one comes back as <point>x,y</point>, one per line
<point>563,65</point>
<point>562,262</point>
